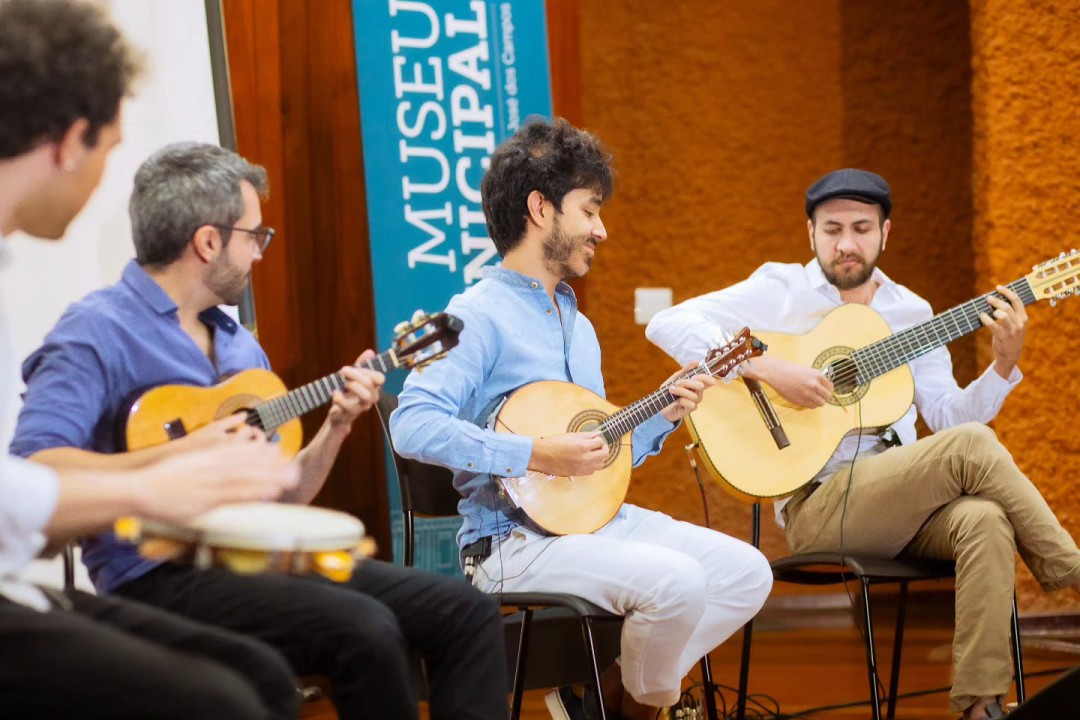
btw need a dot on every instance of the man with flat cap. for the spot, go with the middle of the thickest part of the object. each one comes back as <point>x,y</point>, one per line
<point>955,495</point>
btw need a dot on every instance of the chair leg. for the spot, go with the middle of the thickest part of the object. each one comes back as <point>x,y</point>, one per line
<point>709,688</point>
<point>898,647</point>
<point>871,658</point>
<point>748,629</point>
<point>744,671</point>
<point>407,539</point>
<point>69,568</point>
<point>519,665</point>
<point>1018,653</point>
<point>590,647</point>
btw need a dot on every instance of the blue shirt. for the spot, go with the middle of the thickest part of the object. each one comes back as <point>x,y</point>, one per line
<point>512,336</point>
<point>105,351</point>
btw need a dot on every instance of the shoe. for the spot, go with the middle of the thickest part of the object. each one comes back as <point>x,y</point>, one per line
<point>563,704</point>
<point>994,711</point>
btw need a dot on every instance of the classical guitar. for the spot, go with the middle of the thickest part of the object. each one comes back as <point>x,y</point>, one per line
<point>169,412</point>
<point>873,387</point>
<point>582,504</point>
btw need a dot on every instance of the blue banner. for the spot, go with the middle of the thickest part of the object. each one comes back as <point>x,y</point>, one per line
<point>442,83</point>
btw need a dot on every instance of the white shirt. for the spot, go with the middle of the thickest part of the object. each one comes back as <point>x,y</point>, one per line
<point>28,497</point>
<point>792,298</point>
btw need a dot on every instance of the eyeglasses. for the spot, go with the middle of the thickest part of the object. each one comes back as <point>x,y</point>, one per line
<point>263,235</point>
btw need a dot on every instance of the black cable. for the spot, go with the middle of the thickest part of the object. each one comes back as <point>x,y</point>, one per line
<point>864,634</point>
<point>755,709</point>
<point>701,486</point>
<point>910,694</point>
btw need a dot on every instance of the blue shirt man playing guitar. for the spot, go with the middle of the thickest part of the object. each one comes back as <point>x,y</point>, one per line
<point>197,225</point>
<point>683,589</point>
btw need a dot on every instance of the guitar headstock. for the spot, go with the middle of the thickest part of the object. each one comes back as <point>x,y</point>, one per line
<point>726,359</point>
<point>1056,279</point>
<point>425,338</point>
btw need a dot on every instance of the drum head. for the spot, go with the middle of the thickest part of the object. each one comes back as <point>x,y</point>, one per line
<point>267,526</point>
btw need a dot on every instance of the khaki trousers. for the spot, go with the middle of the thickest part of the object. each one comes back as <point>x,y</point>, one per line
<point>956,495</point>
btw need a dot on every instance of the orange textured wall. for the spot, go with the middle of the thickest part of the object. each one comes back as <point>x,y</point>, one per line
<point>1026,99</point>
<point>719,116</point>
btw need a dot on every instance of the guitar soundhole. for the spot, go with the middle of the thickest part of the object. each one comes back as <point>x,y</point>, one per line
<point>837,363</point>
<point>587,420</point>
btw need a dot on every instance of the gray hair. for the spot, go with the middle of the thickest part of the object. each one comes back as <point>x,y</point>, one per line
<point>182,187</point>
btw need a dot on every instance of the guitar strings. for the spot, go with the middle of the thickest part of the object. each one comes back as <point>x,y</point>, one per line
<point>893,351</point>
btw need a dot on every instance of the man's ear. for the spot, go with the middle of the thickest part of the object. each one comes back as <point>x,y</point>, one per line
<point>71,147</point>
<point>810,232</point>
<point>885,227</point>
<point>540,209</point>
<point>207,243</point>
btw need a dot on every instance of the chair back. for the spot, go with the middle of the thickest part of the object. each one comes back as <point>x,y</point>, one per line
<point>426,489</point>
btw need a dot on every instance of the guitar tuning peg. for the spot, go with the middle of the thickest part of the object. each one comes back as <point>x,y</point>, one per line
<point>401,327</point>
<point>418,316</point>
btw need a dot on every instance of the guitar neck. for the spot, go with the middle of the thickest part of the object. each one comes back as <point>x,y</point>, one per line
<point>625,420</point>
<point>901,348</point>
<point>275,412</point>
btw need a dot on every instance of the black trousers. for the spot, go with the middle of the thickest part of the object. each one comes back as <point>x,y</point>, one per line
<point>360,633</point>
<point>116,659</point>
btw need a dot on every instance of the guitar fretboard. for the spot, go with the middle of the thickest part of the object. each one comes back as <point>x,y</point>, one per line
<point>901,348</point>
<point>623,421</point>
<point>273,413</point>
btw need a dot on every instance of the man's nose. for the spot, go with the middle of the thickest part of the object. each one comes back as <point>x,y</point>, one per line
<point>599,232</point>
<point>847,243</point>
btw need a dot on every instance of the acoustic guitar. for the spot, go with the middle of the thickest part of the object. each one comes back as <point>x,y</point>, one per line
<point>582,504</point>
<point>873,387</point>
<point>168,412</point>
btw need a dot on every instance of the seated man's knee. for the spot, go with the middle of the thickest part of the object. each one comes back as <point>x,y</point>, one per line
<point>746,578</point>
<point>680,583</point>
<point>759,579</point>
<point>978,437</point>
<point>370,634</point>
<point>982,520</point>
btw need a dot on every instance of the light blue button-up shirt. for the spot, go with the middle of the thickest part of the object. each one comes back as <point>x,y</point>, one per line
<point>513,336</point>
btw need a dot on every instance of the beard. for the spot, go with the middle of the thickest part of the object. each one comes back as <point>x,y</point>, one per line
<point>559,251</point>
<point>227,281</point>
<point>851,277</point>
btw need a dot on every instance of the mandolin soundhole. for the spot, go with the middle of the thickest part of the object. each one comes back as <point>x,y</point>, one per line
<point>587,420</point>
<point>838,365</point>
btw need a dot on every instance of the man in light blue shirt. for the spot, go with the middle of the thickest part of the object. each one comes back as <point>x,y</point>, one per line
<point>682,588</point>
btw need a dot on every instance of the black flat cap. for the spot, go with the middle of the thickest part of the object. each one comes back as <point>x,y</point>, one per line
<point>852,184</point>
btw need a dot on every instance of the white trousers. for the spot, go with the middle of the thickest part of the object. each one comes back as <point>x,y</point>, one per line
<point>683,589</point>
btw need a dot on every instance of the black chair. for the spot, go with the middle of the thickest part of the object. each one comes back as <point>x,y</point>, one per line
<point>830,568</point>
<point>427,490</point>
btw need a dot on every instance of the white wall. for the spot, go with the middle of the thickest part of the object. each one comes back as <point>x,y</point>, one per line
<point>174,101</point>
